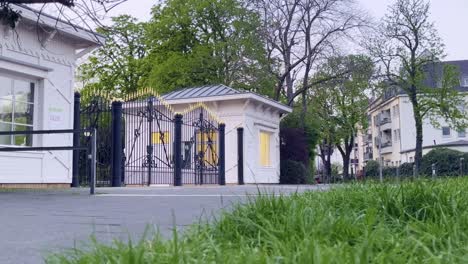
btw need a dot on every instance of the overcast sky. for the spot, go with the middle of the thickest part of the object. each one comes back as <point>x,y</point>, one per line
<point>448,15</point>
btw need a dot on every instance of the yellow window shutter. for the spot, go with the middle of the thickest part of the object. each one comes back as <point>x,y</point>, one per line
<point>264,149</point>
<point>160,137</point>
<point>210,151</point>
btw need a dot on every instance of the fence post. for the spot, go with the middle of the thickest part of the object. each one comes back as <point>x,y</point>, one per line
<point>116,148</point>
<point>240,155</point>
<point>462,169</point>
<point>222,155</point>
<point>93,161</point>
<point>433,167</point>
<point>76,141</point>
<point>178,150</point>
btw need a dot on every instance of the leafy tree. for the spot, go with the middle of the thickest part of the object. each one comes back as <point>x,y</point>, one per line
<point>343,101</point>
<point>299,35</point>
<point>409,49</point>
<point>117,65</point>
<point>197,42</point>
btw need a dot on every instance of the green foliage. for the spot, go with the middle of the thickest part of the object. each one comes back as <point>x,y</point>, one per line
<point>413,222</point>
<point>406,169</point>
<point>447,162</point>
<point>197,42</point>
<point>299,140</point>
<point>309,124</point>
<point>117,66</point>
<point>341,102</point>
<point>372,168</point>
<point>293,172</point>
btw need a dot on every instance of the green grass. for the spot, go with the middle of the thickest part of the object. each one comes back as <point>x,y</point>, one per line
<point>412,222</point>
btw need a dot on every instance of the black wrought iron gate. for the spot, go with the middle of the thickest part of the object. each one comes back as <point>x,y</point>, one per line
<point>149,138</point>
<point>200,133</point>
<point>144,142</point>
<point>96,113</point>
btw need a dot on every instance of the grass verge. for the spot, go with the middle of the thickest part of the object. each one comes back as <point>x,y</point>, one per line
<point>412,222</point>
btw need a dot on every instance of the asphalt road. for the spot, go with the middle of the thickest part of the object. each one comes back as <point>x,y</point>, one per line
<point>34,224</point>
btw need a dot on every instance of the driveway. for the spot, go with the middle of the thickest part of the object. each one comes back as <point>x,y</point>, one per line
<point>36,223</point>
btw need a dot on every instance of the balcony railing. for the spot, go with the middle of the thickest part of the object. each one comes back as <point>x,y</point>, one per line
<point>385,120</point>
<point>386,144</point>
<point>368,156</point>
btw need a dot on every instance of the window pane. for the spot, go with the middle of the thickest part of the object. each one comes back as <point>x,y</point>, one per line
<point>5,140</point>
<point>461,133</point>
<point>446,131</point>
<point>24,113</point>
<point>24,91</point>
<point>23,140</point>
<point>6,110</point>
<point>5,88</point>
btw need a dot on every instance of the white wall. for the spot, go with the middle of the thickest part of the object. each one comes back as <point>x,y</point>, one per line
<point>257,119</point>
<point>52,67</point>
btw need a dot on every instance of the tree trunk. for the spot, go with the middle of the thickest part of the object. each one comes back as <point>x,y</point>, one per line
<point>325,154</point>
<point>346,154</point>
<point>419,135</point>
<point>327,164</point>
<point>346,166</point>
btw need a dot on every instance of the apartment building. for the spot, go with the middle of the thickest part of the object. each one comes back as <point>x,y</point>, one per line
<point>392,135</point>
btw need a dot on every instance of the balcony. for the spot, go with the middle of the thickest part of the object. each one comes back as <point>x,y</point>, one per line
<point>368,139</point>
<point>386,147</point>
<point>385,120</point>
<point>368,156</point>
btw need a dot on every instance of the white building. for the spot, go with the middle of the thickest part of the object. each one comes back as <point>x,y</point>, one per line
<point>37,66</point>
<point>398,131</point>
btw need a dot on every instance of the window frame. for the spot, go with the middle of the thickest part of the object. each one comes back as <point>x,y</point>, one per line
<point>34,84</point>
<point>461,133</point>
<point>464,81</point>
<point>449,131</point>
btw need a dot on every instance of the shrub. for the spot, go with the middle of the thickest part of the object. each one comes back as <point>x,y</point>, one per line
<point>389,171</point>
<point>294,145</point>
<point>371,169</point>
<point>447,162</point>
<point>293,172</point>
<point>406,169</point>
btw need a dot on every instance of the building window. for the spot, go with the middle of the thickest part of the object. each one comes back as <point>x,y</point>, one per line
<point>446,131</point>
<point>16,110</point>
<point>465,81</point>
<point>161,137</point>
<point>462,133</point>
<point>265,149</point>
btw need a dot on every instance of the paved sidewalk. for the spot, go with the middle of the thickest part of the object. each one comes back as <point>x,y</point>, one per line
<point>36,223</point>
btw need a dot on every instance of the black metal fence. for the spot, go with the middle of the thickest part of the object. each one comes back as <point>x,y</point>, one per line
<point>95,113</point>
<point>200,140</point>
<point>142,141</point>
